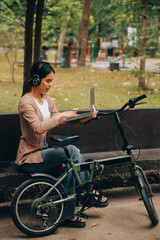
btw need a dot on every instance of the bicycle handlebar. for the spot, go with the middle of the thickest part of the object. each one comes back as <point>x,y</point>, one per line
<point>140,97</point>
<point>131,103</point>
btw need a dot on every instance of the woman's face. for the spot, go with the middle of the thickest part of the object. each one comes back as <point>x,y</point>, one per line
<point>46,83</point>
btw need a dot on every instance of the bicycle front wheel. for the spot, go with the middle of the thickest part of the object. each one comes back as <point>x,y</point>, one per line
<point>29,217</point>
<point>146,196</point>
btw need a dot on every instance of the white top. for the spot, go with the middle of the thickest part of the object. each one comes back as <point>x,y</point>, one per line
<point>44,109</point>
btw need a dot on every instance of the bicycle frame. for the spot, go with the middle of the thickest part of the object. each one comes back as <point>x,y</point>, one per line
<point>50,194</point>
<point>96,165</point>
<point>76,168</point>
<point>90,166</point>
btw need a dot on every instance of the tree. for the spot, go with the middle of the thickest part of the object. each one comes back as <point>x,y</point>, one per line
<point>28,42</point>
<point>61,41</point>
<point>83,36</point>
<point>105,14</point>
<point>38,28</point>
<point>145,6</point>
<point>11,31</point>
<point>60,22</point>
<point>117,16</point>
<point>29,24</point>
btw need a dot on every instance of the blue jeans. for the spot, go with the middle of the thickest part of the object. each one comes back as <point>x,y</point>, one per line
<point>52,158</point>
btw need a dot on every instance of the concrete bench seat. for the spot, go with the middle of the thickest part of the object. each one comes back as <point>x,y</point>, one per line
<point>95,141</point>
<point>149,160</point>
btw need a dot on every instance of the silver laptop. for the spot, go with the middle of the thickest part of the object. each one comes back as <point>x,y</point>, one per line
<point>87,114</point>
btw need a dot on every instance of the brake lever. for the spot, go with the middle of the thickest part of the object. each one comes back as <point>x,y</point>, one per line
<point>132,104</point>
<point>140,103</point>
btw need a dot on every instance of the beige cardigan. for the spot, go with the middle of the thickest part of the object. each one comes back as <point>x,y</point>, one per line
<point>33,128</point>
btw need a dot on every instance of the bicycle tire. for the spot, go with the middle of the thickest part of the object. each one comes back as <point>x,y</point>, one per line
<point>146,196</point>
<point>26,217</point>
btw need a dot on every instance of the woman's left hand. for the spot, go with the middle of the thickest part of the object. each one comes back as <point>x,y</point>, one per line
<point>94,112</point>
<point>94,115</point>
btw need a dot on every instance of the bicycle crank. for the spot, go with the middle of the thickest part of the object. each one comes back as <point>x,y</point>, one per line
<point>89,194</point>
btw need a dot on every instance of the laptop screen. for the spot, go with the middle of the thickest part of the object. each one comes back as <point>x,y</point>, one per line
<point>87,114</point>
<point>92,99</point>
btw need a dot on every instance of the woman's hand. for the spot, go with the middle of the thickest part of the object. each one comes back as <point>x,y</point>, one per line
<point>66,114</point>
<point>94,115</point>
<point>94,112</point>
<point>69,114</point>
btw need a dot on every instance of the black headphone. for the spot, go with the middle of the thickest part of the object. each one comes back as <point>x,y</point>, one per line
<point>36,80</point>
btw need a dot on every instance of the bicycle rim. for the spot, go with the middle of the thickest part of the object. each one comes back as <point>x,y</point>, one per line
<point>33,220</point>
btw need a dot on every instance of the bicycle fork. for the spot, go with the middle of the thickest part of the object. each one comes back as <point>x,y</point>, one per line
<point>137,173</point>
<point>140,180</point>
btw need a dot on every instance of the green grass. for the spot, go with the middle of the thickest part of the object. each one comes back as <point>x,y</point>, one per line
<point>71,86</point>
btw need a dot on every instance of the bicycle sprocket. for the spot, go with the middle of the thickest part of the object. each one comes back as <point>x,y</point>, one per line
<point>90,194</point>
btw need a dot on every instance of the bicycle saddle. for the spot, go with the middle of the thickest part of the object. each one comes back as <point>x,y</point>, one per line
<point>63,140</point>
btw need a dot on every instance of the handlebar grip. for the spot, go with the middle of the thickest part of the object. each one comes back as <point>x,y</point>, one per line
<point>140,98</point>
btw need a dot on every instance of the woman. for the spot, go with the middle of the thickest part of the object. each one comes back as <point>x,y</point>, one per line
<point>38,115</point>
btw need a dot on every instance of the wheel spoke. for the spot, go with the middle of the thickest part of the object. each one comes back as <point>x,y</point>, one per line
<point>30,217</point>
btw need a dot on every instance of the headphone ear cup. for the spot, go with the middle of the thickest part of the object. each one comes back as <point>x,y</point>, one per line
<point>36,80</point>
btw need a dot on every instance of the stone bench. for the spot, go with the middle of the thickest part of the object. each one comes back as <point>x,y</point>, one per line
<point>95,142</point>
<point>149,160</point>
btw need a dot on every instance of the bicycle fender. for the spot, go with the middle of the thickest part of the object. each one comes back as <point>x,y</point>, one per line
<point>138,179</point>
<point>34,175</point>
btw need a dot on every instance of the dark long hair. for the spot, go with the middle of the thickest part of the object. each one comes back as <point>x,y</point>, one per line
<point>39,68</point>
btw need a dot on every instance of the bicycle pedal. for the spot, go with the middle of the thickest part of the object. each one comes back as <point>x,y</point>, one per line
<point>45,216</point>
<point>83,215</point>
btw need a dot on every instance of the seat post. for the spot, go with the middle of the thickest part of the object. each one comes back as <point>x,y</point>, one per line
<point>70,160</point>
<point>67,152</point>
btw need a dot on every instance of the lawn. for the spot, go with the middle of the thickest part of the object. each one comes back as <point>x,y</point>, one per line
<point>71,86</point>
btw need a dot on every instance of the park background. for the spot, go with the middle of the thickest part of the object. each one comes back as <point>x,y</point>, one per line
<point>80,39</point>
<point>97,32</point>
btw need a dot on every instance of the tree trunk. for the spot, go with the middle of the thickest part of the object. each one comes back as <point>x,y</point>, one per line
<point>83,36</point>
<point>145,5</point>
<point>11,60</point>
<point>28,37</point>
<point>61,42</point>
<point>38,30</point>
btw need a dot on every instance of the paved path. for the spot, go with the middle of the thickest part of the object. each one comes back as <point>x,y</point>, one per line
<point>124,219</point>
<point>152,64</point>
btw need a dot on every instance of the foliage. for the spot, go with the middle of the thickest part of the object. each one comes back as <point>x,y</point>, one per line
<point>12,19</point>
<point>11,32</point>
<point>109,18</point>
<point>115,17</point>
<point>56,14</point>
<point>105,11</point>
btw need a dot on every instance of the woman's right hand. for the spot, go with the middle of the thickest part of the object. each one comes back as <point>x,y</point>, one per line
<point>69,114</point>
<point>66,114</point>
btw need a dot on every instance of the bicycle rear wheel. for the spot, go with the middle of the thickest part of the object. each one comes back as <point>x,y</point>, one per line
<point>32,219</point>
<point>146,196</point>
